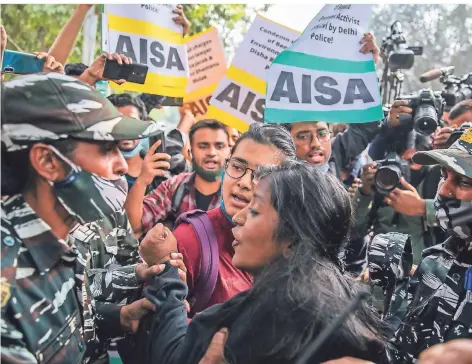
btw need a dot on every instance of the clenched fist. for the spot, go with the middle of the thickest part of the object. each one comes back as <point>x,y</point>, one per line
<point>157,245</point>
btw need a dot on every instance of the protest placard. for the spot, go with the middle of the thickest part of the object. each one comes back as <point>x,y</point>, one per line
<point>239,98</point>
<point>148,35</point>
<point>323,76</point>
<point>207,66</point>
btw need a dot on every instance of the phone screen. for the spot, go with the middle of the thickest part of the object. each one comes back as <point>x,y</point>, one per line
<point>21,63</point>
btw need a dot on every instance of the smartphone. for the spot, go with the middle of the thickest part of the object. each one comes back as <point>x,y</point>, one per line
<point>135,73</point>
<point>159,136</point>
<point>21,63</point>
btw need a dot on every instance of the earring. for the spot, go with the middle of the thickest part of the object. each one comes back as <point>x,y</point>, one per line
<point>450,194</point>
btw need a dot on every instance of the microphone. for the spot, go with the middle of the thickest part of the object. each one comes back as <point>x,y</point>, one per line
<point>436,73</point>
<point>312,349</point>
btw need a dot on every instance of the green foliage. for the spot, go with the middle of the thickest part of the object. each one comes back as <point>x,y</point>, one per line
<point>34,27</point>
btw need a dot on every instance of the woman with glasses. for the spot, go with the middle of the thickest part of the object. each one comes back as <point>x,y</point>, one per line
<point>261,145</point>
<point>290,238</point>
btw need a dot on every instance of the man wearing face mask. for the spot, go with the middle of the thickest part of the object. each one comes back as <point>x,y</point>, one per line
<point>62,170</point>
<point>435,304</point>
<point>409,207</point>
<point>200,189</point>
<point>134,151</point>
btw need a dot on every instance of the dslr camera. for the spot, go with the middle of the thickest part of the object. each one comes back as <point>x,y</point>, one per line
<point>456,89</point>
<point>457,133</point>
<point>389,173</point>
<point>428,108</point>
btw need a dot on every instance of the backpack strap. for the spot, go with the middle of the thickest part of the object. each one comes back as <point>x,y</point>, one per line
<point>209,262</point>
<point>178,197</point>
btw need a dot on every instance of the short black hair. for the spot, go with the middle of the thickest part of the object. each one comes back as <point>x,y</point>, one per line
<point>460,108</point>
<point>207,123</point>
<point>122,100</point>
<point>151,101</point>
<point>270,134</point>
<point>74,69</point>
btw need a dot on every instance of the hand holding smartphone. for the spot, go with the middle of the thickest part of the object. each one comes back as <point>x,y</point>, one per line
<point>155,165</point>
<point>21,63</point>
<point>135,73</point>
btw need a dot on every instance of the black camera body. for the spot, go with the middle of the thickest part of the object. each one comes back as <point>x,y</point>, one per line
<point>394,45</point>
<point>457,133</point>
<point>428,108</point>
<point>389,173</point>
<point>456,89</point>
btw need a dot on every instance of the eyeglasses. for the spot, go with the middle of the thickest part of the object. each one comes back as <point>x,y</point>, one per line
<point>306,137</point>
<point>236,169</point>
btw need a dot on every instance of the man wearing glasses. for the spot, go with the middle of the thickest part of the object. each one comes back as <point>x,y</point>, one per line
<point>316,145</point>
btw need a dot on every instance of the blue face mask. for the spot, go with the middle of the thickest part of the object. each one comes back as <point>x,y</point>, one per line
<point>143,146</point>
<point>222,203</point>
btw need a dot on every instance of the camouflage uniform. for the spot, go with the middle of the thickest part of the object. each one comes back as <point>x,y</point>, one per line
<point>48,311</point>
<point>113,251</point>
<point>46,307</point>
<point>435,304</point>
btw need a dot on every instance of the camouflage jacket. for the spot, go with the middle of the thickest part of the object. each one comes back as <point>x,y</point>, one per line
<point>430,307</point>
<point>48,312</point>
<point>111,265</point>
<point>113,255</point>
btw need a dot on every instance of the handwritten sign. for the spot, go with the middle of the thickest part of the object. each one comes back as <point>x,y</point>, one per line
<point>239,98</point>
<point>323,76</point>
<point>207,66</point>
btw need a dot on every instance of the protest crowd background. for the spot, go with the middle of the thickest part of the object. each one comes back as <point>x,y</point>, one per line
<point>203,184</point>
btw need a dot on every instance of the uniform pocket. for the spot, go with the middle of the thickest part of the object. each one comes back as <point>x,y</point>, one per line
<point>65,346</point>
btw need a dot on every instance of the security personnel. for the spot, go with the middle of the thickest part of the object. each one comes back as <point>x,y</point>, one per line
<point>435,304</point>
<point>61,167</point>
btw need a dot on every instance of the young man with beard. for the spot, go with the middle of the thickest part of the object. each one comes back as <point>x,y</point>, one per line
<point>316,144</point>
<point>209,141</point>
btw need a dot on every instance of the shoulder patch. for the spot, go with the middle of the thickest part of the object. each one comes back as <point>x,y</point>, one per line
<point>5,290</point>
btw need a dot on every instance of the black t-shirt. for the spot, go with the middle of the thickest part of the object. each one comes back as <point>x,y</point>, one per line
<point>203,201</point>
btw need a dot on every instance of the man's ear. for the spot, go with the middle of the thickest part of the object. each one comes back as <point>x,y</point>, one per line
<point>46,164</point>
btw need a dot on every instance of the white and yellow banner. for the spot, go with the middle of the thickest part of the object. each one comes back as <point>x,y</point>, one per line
<point>207,66</point>
<point>239,98</point>
<point>148,35</point>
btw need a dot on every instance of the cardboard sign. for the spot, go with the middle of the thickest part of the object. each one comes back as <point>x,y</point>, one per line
<point>207,66</point>
<point>323,76</point>
<point>148,35</point>
<point>239,98</point>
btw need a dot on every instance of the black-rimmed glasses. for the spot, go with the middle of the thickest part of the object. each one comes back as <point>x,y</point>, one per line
<point>236,169</point>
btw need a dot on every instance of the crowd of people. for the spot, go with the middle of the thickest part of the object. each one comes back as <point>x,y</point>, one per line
<point>213,246</point>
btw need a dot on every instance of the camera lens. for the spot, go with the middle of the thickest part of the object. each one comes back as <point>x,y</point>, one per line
<point>387,178</point>
<point>426,119</point>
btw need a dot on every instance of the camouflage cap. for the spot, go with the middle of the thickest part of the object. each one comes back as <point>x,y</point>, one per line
<point>457,157</point>
<point>51,106</point>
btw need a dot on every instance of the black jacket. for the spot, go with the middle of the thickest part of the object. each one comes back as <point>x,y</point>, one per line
<point>167,337</point>
<point>349,144</point>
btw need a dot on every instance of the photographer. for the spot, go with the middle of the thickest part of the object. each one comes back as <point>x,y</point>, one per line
<point>433,306</point>
<point>459,114</point>
<point>408,207</point>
